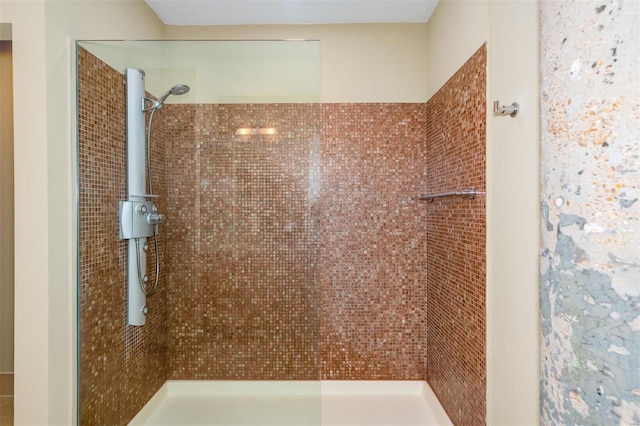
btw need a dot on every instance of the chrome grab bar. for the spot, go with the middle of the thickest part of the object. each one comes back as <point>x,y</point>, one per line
<point>471,193</point>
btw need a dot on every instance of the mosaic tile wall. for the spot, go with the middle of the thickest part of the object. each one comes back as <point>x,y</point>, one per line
<point>252,266</point>
<point>373,242</point>
<point>590,258</point>
<point>456,239</point>
<point>244,299</point>
<point>121,367</point>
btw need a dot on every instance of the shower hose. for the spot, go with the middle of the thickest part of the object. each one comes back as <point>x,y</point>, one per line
<point>142,280</point>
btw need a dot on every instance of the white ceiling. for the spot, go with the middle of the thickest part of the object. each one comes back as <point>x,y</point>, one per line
<point>252,12</point>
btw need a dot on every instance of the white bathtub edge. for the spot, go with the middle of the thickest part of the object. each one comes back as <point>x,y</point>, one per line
<point>438,410</point>
<point>242,387</point>
<point>372,387</point>
<point>150,407</point>
<point>324,388</point>
<point>295,387</point>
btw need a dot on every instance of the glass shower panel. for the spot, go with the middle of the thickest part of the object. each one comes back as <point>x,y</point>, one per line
<point>261,245</point>
<point>239,294</point>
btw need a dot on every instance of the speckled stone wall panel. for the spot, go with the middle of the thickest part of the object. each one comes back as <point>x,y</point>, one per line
<point>455,232</point>
<point>121,367</point>
<point>245,298</point>
<point>590,259</point>
<point>373,242</point>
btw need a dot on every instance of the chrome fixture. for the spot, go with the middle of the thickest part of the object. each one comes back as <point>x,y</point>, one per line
<point>471,193</point>
<point>511,110</point>
<point>139,216</point>
<point>177,90</point>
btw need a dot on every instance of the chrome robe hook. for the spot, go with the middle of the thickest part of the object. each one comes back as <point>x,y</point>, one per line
<point>511,110</point>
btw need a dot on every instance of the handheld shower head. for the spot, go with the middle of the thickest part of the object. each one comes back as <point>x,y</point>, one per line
<point>177,90</point>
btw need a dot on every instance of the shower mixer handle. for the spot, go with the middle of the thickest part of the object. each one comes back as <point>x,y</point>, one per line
<point>154,218</point>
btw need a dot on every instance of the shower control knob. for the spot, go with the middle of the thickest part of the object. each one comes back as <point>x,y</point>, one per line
<point>141,209</point>
<point>155,218</point>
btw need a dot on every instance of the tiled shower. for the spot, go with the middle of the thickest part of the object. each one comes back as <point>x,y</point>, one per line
<point>304,255</point>
<point>243,298</point>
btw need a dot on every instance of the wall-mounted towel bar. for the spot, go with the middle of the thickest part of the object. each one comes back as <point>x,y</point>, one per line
<point>471,193</point>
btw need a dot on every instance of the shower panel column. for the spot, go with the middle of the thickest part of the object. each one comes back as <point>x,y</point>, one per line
<point>135,211</point>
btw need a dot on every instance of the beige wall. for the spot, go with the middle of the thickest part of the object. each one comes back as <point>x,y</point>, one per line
<point>359,63</point>
<point>221,71</point>
<point>43,34</point>
<point>455,31</point>
<point>513,216</point>
<point>510,28</point>
<point>6,208</point>
<point>31,362</point>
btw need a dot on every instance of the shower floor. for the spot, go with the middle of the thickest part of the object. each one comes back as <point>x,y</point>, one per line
<point>293,403</point>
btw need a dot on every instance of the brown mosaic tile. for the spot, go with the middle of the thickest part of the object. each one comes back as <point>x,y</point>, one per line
<point>373,242</point>
<point>121,367</point>
<point>244,298</point>
<point>243,213</point>
<point>456,239</point>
